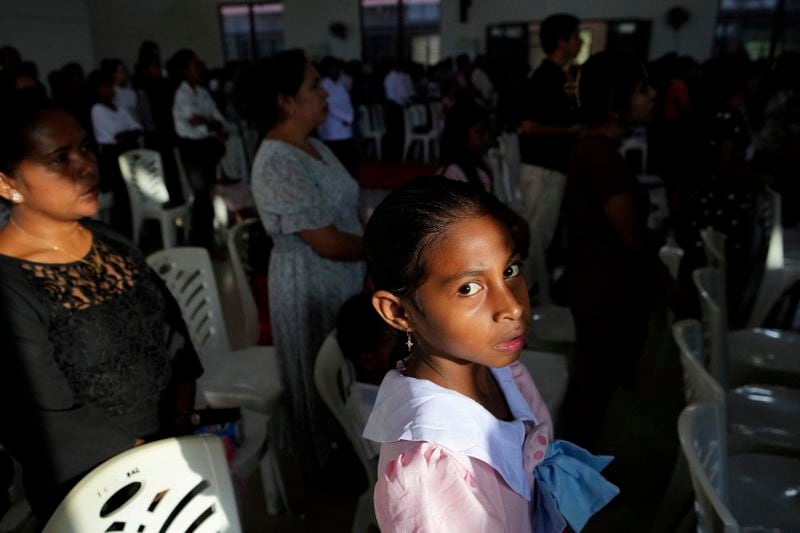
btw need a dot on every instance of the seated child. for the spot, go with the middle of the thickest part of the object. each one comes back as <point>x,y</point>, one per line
<point>466,440</point>
<point>366,342</point>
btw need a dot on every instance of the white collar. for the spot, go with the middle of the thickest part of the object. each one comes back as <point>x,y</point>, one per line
<point>413,409</point>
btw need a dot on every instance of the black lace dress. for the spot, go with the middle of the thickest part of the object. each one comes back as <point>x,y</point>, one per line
<point>88,362</point>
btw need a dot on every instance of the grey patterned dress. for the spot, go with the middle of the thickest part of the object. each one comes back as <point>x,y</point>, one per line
<point>294,191</point>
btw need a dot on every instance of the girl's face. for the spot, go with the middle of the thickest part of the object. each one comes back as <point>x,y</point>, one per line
<point>310,104</point>
<point>473,305</point>
<point>58,178</point>
<point>478,138</point>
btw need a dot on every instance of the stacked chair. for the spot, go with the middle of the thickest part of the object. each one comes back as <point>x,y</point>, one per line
<point>248,378</point>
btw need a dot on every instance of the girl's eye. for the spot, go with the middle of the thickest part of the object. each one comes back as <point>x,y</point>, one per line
<point>59,159</point>
<point>512,271</point>
<point>469,289</point>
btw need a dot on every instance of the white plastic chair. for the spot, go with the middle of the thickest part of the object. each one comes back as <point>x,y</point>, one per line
<point>372,125</point>
<point>243,378</point>
<point>550,372</point>
<point>437,117</point>
<point>415,116</point>
<point>671,256</point>
<point>552,324</point>
<point>741,492</point>
<point>143,173</point>
<point>634,143</point>
<point>746,355</point>
<point>507,182</point>
<point>759,417</point>
<point>247,378</point>
<point>239,253</point>
<point>169,485</point>
<point>333,376</point>
<point>780,272</point>
<point>714,248</point>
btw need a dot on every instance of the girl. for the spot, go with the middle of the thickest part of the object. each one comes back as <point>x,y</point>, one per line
<point>465,436</point>
<point>466,138</point>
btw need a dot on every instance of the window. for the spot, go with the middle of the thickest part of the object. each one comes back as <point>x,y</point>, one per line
<point>763,28</point>
<point>415,35</point>
<point>251,31</point>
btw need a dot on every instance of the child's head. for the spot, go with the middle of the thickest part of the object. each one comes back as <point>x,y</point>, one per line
<point>445,269</point>
<point>364,338</point>
<point>467,130</point>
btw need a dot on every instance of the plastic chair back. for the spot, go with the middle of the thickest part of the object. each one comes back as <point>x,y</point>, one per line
<point>364,121</point>
<point>714,247</point>
<point>706,453</point>
<point>332,376</point>
<point>189,275</point>
<point>239,238</point>
<point>671,256</point>
<point>777,278</point>
<point>143,173</point>
<point>509,148</point>
<point>699,385</point>
<point>169,485</point>
<point>378,119</point>
<point>710,285</point>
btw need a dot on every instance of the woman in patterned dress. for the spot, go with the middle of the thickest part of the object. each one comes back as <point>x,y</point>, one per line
<point>308,204</point>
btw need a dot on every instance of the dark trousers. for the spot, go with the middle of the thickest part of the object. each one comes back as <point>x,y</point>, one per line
<point>200,159</point>
<point>345,152</point>
<point>609,343</point>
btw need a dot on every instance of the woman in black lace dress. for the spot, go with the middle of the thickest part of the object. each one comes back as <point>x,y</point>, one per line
<point>94,355</point>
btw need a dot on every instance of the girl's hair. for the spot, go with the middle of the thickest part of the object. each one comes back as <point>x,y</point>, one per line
<point>461,117</point>
<point>19,116</point>
<point>608,81</point>
<point>411,220</point>
<point>179,62</point>
<point>96,80</point>
<point>281,74</point>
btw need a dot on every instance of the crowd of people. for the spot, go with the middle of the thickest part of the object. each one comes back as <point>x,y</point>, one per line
<point>431,303</point>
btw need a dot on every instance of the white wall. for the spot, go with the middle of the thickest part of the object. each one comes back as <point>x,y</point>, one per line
<point>48,32</point>
<point>307,24</point>
<point>118,26</point>
<point>695,37</point>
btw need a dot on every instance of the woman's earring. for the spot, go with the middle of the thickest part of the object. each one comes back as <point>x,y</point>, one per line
<point>409,340</point>
<point>16,197</point>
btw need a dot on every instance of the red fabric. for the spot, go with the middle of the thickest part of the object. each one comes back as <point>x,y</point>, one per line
<point>385,175</point>
<point>259,286</point>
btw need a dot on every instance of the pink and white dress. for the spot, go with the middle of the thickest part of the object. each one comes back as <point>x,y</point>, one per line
<point>448,464</point>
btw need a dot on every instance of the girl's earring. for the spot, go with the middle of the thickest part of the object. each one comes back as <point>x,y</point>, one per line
<point>409,340</point>
<point>16,197</point>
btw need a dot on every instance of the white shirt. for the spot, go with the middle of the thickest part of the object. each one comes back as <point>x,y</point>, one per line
<point>107,123</point>
<point>399,87</point>
<point>125,98</point>
<point>189,102</point>
<point>339,124</point>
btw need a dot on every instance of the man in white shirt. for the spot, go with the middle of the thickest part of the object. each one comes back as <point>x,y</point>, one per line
<point>200,129</point>
<point>337,130</point>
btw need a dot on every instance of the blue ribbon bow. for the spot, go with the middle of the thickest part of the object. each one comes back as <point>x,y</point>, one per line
<point>569,487</point>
